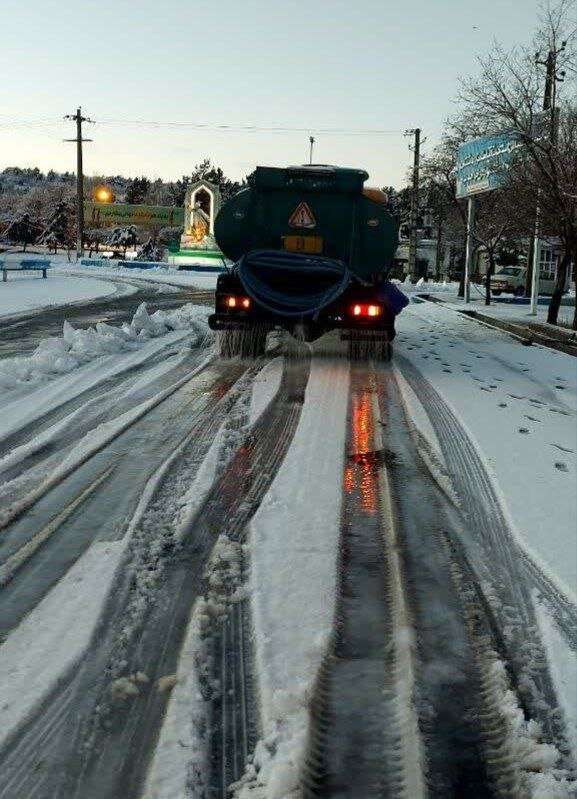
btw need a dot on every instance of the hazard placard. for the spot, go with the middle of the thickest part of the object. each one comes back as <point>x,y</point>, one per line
<point>303,217</point>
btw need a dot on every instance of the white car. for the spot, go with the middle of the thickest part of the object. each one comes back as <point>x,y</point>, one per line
<point>512,279</point>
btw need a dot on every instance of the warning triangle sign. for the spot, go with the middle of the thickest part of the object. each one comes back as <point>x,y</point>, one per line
<point>302,216</point>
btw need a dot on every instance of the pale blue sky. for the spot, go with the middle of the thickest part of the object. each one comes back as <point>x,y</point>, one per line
<point>317,64</point>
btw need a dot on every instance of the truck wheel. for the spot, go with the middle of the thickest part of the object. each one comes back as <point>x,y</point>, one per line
<point>519,291</point>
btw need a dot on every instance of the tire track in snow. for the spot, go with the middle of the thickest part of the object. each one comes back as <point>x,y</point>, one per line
<point>153,431</point>
<point>363,736</point>
<point>104,749</point>
<point>503,566</point>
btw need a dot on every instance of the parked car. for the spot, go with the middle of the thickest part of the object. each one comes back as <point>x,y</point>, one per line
<point>512,279</point>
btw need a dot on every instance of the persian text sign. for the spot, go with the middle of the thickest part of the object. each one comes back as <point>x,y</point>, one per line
<point>117,214</point>
<point>481,163</point>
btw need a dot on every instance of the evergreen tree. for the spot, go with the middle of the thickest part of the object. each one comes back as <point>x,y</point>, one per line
<point>137,191</point>
<point>22,230</point>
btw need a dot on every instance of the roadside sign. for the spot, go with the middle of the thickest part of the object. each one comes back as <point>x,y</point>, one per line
<point>115,214</point>
<point>481,163</point>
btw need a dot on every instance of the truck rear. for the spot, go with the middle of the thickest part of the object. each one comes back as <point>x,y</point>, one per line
<point>311,249</point>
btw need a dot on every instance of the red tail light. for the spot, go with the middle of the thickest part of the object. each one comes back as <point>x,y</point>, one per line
<point>235,303</point>
<point>366,310</point>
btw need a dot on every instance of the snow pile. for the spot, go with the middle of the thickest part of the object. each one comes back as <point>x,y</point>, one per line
<point>523,745</point>
<point>76,347</point>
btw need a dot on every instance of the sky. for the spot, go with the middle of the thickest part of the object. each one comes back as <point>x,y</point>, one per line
<point>312,65</point>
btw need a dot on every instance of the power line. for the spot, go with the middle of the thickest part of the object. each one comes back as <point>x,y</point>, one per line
<point>210,126</point>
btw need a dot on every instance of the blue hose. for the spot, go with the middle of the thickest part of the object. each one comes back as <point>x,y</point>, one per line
<point>290,284</point>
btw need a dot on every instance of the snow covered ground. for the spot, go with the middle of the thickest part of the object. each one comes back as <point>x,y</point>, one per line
<point>512,311</point>
<point>28,291</point>
<point>518,405</point>
<point>71,283</point>
<point>202,280</point>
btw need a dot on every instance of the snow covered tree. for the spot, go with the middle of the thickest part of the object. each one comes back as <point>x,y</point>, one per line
<point>494,226</point>
<point>94,237</point>
<point>58,229</point>
<point>123,238</point>
<point>150,251</point>
<point>22,230</point>
<point>137,191</point>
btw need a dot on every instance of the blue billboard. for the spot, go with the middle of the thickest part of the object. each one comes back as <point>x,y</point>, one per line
<point>481,163</point>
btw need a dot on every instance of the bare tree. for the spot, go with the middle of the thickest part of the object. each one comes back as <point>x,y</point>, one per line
<point>507,96</point>
<point>440,184</point>
<point>494,226</point>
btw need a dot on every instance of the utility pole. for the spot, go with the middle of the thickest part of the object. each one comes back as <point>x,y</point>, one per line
<point>416,132</point>
<point>552,78</point>
<point>79,119</point>
<point>312,144</point>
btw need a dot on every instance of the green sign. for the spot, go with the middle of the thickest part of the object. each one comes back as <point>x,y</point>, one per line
<point>117,214</point>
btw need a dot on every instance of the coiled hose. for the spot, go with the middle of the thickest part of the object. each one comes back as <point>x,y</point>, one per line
<point>290,284</point>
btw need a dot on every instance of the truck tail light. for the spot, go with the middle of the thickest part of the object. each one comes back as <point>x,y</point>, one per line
<point>366,310</point>
<point>235,303</point>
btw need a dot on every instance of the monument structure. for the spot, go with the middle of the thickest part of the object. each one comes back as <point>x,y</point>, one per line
<point>201,205</point>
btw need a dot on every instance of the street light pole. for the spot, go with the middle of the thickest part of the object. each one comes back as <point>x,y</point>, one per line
<point>536,261</point>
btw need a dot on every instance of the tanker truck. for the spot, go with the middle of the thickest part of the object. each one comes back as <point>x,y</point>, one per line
<point>311,249</point>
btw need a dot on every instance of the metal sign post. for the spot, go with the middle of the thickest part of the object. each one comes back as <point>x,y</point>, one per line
<point>470,246</point>
<point>536,262</point>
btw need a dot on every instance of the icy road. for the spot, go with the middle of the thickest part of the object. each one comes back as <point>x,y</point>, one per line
<point>288,577</point>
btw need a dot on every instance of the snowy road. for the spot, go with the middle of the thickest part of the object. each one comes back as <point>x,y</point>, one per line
<point>295,576</point>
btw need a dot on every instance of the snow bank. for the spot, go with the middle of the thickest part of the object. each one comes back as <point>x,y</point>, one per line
<point>76,347</point>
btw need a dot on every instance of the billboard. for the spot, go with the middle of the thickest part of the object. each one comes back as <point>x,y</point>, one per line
<point>482,162</point>
<point>118,214</point>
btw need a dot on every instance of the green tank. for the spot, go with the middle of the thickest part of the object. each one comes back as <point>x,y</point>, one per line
<point>312,210</point>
